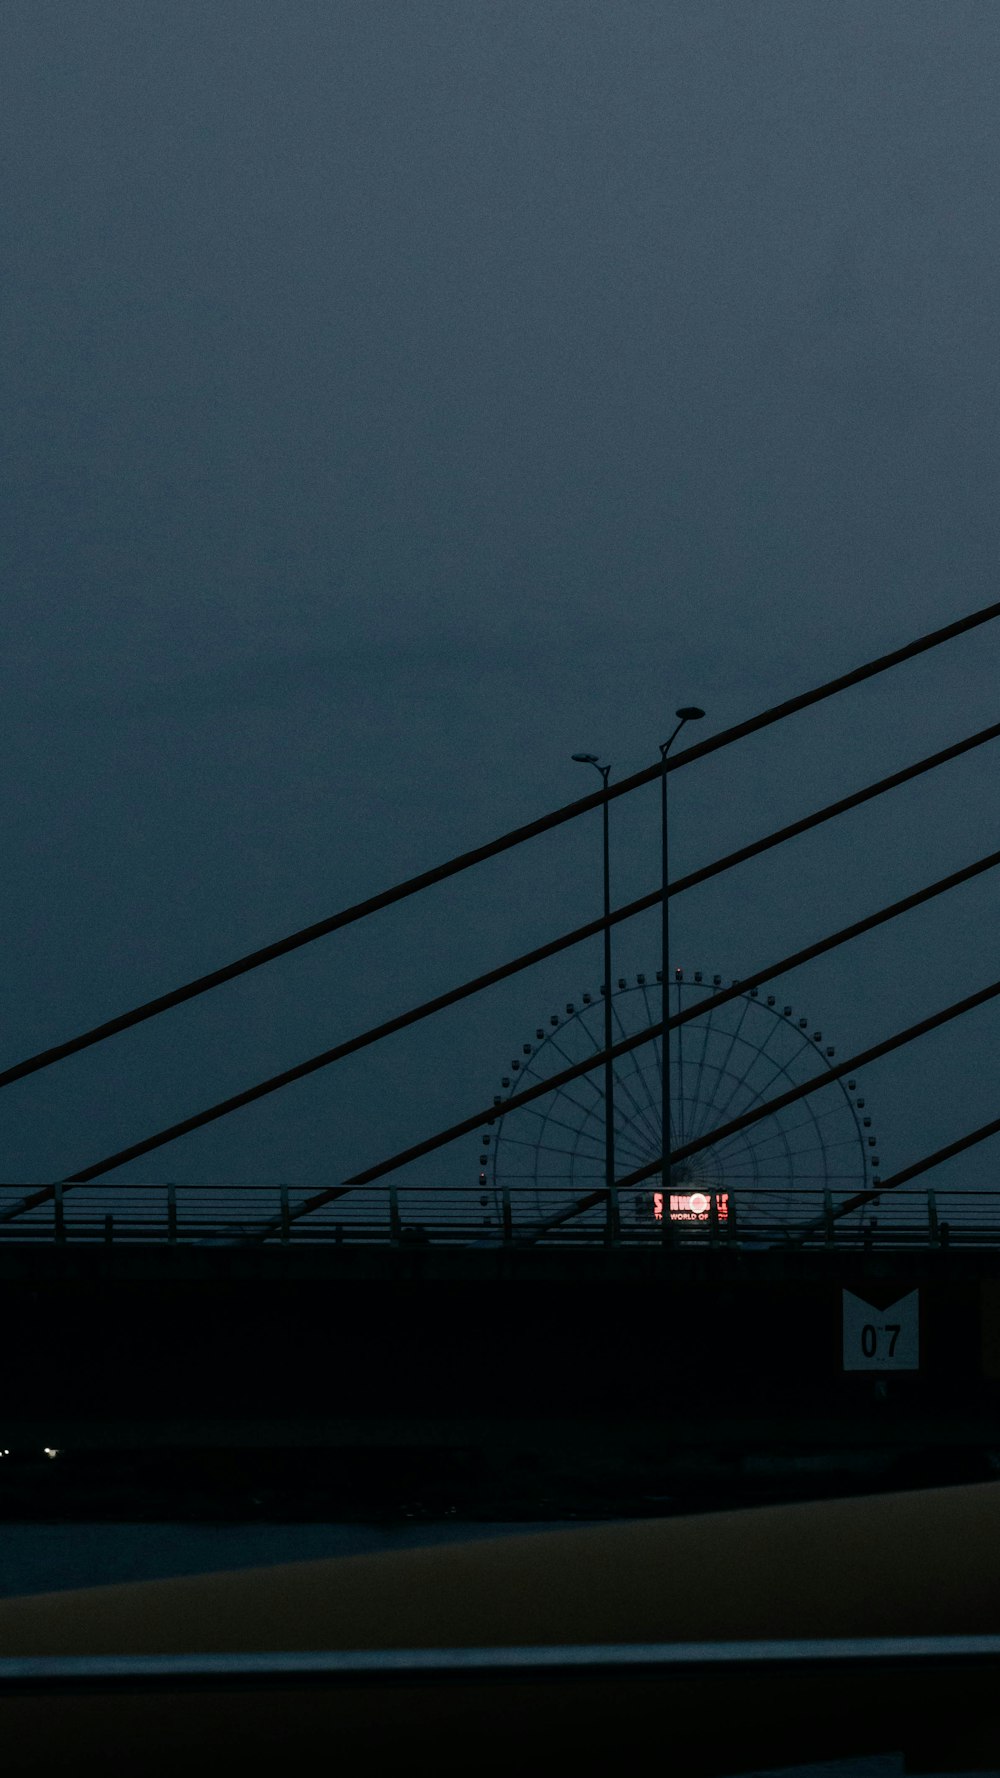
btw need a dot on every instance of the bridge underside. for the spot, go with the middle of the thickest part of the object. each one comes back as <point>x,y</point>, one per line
<point>357,1380</point>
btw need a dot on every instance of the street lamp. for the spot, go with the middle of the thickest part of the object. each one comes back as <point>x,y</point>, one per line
<point>590,759</point>
<point>687,713</point>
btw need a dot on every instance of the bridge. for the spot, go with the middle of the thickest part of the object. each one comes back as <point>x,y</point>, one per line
<point>653,1290</point>
<point>402,1216</point>
<point>446,1372</point>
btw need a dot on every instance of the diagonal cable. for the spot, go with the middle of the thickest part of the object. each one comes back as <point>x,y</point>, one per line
<point>806,955</point>
<point>199,1119</point>
<point>589,930</point>
<point>853,1064</point>
<point>905,1174</point>
<point>215,978</point>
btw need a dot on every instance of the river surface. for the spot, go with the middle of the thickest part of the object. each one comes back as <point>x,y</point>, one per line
<point>36,1558</point>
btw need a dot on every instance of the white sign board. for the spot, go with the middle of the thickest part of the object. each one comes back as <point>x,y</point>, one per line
<point>882,1339</point>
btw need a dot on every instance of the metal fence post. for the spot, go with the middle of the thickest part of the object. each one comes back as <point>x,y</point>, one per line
<point>508,1221</point>
<point>286,1221</point>
<point>713,1219</point>
<point>666,1220</point>
<point>932,1219</point>
<point>59,1213</point>
<point>395,1226</point>
<point>830,1226</point>
<point>171,1212</point>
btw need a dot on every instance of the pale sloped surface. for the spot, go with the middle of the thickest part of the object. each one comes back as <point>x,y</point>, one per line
<point>914,1563</point>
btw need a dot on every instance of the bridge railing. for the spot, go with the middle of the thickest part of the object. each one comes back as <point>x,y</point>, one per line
<point>414,1215</point>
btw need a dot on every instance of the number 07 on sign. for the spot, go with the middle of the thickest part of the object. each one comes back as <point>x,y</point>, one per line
<point>882,1339</point>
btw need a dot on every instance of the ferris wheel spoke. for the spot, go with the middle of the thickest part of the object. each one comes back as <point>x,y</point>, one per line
<point>741,1059</point>
<point>805,1048</point>
<point>678,1100</point>
<point>622,1083</point>
<point>550,1149</point>
<point>725,1062</point>
<point>736,1089</point>
<point>634,1138</point>
<point>699,1079</point>
<point>777,1127</point>
<point>595,1136</point>
<point>589,1110</point>
<point>552,1122</point>
<point>632,1142</point>
<point>596,1042</point>
<point>571,1062</point>
<point>819,1146</point>
<point>756,1054</point>
<point>598,1133</point>
<point>657,1045</point>
<point>681,1095</point>
<point>562,1175</point>
<point>737,1083</point>
<point>596,1113</point>
<point>833,1110</point>
<point>596,1089</point>
<point>761,1139</point>
<point>836,1109</point>
<point>802,1178</point>
<point>640,1121</point>
<point>821,1141</point>
<point>761,1089</point>
<point>633,1153</point>
<point>810,1121</point>
<point>537,1146</point>
<point>637,1122</point>
<point>530,1072</point>
<point>653,1126</point>
<point>734,1035</point>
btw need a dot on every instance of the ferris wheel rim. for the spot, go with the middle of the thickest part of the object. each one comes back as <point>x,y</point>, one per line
<point>840,1161</point>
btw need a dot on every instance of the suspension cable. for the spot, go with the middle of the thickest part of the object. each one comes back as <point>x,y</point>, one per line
<point>591,928</point>
<point>478,854</point>
<point>806,955</point>
<point>757,1112</point>
<point>853,1065</point>
<point>329,1194</point>
<point>858,1199</point>
<point>619,1049</point>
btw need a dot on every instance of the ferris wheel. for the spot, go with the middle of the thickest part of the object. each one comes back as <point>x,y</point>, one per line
<point>722,1063</point>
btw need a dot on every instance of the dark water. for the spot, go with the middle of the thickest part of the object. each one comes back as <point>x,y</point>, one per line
<point>36,1558</point>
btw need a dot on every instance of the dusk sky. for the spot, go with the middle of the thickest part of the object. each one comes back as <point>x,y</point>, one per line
<point>400,396</point>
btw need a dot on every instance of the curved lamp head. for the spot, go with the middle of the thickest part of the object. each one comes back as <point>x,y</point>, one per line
<point>686,713</point>
<point>585,759</point>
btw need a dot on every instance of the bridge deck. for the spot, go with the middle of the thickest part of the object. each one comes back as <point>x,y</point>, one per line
<point>415,1215</point>
<point>562,1375</point>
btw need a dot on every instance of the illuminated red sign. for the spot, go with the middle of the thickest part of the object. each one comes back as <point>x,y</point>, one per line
<point>692,1206</point>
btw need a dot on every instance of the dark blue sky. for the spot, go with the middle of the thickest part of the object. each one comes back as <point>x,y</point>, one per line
<point>401,395</point>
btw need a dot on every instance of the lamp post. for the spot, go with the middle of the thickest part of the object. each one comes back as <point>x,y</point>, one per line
<point>687,713</point>
<point>590,759</point>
